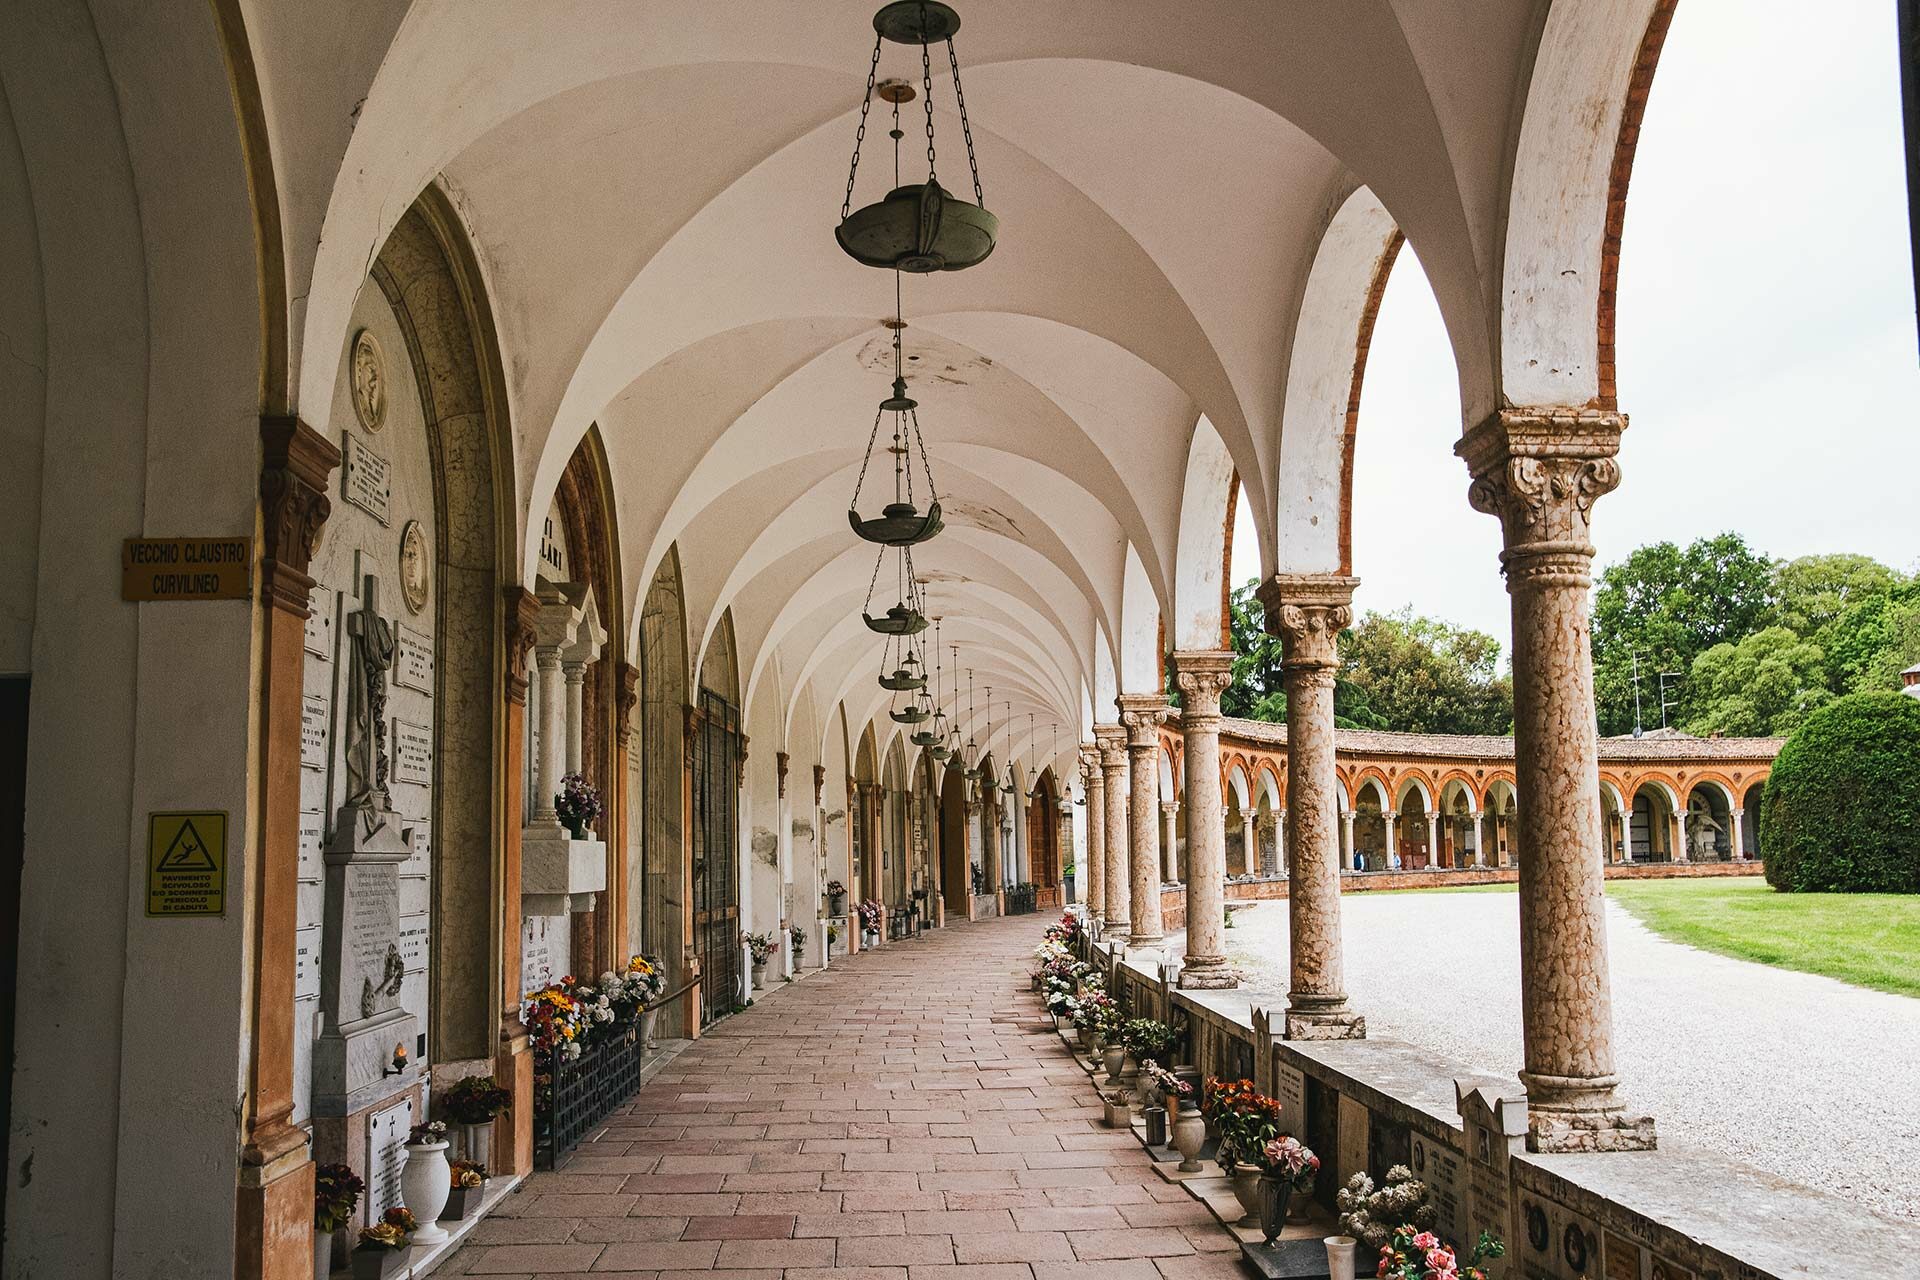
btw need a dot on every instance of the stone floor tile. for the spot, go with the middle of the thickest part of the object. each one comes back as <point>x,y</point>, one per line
<point>741,1226</point>
<point>627,1230</point>
<point>894,1251</point>
<point>776,1253</point>
<point>660,1255</point>
<point>1020,1246</point>
<point>1129,1242</point>
<point>509,1259</point>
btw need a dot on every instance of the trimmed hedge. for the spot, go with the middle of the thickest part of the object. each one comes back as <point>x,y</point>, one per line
<point>1842,806</point>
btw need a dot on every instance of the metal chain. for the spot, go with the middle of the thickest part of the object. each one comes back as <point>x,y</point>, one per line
<point>960,100</point>
<point>926,88</point>
<point>860,134</point>
<point>933,494</point>
<point>867,608</point>
<point>871,437</point>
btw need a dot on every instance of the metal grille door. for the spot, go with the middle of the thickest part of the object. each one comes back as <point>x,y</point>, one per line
<point>716,855</point>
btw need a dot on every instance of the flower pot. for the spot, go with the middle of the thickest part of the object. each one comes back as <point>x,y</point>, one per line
<point>578,830</point>
<point>1339,1257</point>
<point>1189,1135</point>
<point>425,1183</point>
<point>1119,1115</point>
<point>379,1264</point>
<point>647,1021</point>
<point>476,1142</point>
<point>760,976</point>
<point>1276,1193</point>
<point>837,904</point>
<point>1246,1189</point>
<point>322,1254</point>
<point>1114,1058</point>
<point>462,1202</point>
<point>1156,1118</point>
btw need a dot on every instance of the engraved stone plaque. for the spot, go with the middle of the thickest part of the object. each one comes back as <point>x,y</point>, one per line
<point>413,896</point>
<point>413,941</point>
<point>371,926</point>
<point>1290,1087</point>
<point>1444,1171</point>
<point>319,630</point>
<point>413,664</point>
<point>537,960</point>
<point>412,753</point>
<point>306,963</point>
<point>387,1131</point>
<point>420,862</point>
<point>313,731</point>
<point>367,480</point>
<point>311,829</point>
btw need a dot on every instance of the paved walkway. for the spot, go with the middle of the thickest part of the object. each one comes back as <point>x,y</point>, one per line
<point>906,1115</point>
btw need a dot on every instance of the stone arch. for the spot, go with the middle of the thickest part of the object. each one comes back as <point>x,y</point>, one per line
<point>662,887</point>
<point>720,664</point>
<point>1613,820</point>
<point>1326,368</point>
<point>1459,827</point>
<point>1750,801</point>
<point>1651,833</point>
<point>956,883</point>
<point>1572,160</point>
<point>431,280</point>
<point>1708,823</point>
<point>1413,803</point>
<point>1201,581</point>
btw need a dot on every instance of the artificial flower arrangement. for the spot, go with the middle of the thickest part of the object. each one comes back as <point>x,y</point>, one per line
<point>336,1194</point>
<point>427,1131</point>
<point>578,804</point>
<point>1217,1096</point>
<point>394,1231</point>
<point>871,913</point>
<point>1374,1216</point>
<point>554,1023</point>
<point>1247,1120</point>
<point>1164,1082</point>
<point>1412,1254</point>
<point>1146,1038</point>
<point>1098,1014</point>
<point>761,945</point>
<point>1066,932</point>
<point>1290,1160</point>
<point>798,937</point>
<point>468,1174</point>
<point>474,1100</point>
<point>633,988</point>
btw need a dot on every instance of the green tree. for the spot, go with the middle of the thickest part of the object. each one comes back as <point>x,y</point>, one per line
<point>1872,640</point>
<point>1668,605</point>
<point>1843,801</point>
<point>1763,685</point>
<point>1420,675</point>
<point>1814,590</point>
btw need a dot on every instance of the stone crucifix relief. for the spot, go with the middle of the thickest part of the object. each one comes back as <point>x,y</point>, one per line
<point>372,644</point>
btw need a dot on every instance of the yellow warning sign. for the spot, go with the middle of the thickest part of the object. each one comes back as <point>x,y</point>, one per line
<point>187,864</point>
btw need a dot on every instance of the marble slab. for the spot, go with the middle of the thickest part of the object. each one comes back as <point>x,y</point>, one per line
<point>315,724</point>
<point>412,753</point>
<point>387,1131</point>
<point>366,479</point>
<point>413,660</point>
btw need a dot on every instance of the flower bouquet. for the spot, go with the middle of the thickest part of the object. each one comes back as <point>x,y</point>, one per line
<point>871,915</point>
<point>474,1100</point>
<point>336,1194</point>
<point>1373,1216</point>
<point>1162,1081</point>
<point>578,805</point>
<point>1412,1254</point>
<point>382,1251</point>
<point>1287,1169</point>
<point>1146,1038</point>
<point>469,1183</point>
<point>836,898</point>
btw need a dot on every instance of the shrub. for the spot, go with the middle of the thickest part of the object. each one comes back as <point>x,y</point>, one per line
<point>1842,807</point>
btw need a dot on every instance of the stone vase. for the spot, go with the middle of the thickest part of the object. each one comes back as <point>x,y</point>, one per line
<point>760,976</point>
<point>1189,1135</point>
<point>1114,1058</point>
<point>425,1183</point>
<point>322,1254</point>
<point>1246,1189</point>
<point>1276,1194</point>
<point>1339,1257</point>
<point>476,1143</point>
<point>647,1021</point>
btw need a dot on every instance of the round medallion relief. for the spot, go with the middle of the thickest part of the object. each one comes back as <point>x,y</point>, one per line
<point>369,381</point>
<point>414,569</point>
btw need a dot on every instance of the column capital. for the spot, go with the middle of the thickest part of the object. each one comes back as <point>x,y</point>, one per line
<point>626,697</point>
<point>295,467</point>
<point>522,612</point>
<point>1539,470</point>
<point>1111,741</point>
<point>1308,611</point>
<point>1202,676</point>
<point>1142,714</point>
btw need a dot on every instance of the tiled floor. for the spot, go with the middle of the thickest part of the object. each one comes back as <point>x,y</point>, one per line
<point>906,1115</point>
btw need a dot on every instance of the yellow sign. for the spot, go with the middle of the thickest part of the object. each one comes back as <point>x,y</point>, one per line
<point>187,864</point>
<point>186,568</point>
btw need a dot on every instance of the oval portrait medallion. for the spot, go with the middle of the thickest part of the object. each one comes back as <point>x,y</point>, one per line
<point>369,381</point>
<point>414,570</point>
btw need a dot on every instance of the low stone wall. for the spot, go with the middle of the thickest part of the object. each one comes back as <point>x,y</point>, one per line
<point>1173,898</point>
<point>1367,1105</point>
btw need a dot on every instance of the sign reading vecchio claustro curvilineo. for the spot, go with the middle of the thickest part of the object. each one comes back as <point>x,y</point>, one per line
<point>186,568</point>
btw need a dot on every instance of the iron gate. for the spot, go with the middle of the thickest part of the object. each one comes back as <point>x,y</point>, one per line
<point>716,852</point>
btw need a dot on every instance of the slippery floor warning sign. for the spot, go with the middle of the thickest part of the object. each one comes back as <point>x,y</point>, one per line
<point>187,864</point>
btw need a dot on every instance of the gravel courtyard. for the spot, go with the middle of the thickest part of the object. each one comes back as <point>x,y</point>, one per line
<point>1802,1076</point>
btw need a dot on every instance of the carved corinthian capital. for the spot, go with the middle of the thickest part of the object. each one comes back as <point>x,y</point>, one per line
<point>295,464</point>
<point>1539,471</point>
<point>1142,714</point>
<point>1308,611</point>
<point>1202,676</point>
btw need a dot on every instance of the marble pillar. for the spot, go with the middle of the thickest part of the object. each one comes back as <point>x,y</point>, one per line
<point>1479,840</point>
<point>1351,862</point>
<point>1739,835</point>
<point>1389,820</point>
<point>1093,874</point>
<point>1308,611</point>
<point>1113,767</point>
<point>1540,471</point>
<point>1169,841</point>
<point>1202,676</point>
<point>1433,840</point>
<point>1143,714</point>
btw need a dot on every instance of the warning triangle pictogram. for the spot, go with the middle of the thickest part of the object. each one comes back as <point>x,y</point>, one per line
<point>188,852</point>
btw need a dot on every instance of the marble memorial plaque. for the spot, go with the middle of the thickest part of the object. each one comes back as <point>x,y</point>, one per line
<point>306,963</point>
<point>372,925</point>
<point>387,1131</point>
<point>413,660</point>
<point>319,630</point>
<point>420,861</point>
<point>367,480</point>
<point>314,726</point>
<point>1556,1241</point>
<point>412,753</point>
<point>1290,1087</point>
<point>1444,1171</point>
<point>413,941</point>
<point>1354,1122</point>
<point>312,832</point>
<point>414,896</point>
<point>537,959</point>
<point>1623,1258</point>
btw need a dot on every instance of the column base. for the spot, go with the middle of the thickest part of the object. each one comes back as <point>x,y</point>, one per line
<point>1308,1022</point>
<point>1146,941</point>
<point>1570,1114</point>
<point>1208,973</point>
<point>273,1236</point>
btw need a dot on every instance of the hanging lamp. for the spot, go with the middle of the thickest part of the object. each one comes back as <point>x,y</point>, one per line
<point>900,523</point>
<point>905,617</point>
<point>1009,787</point>
<point>929,738</point>
<point>972,752</point>
<point>1053,747</point>
<point>917,227</point>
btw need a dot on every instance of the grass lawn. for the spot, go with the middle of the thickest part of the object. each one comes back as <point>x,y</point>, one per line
<point>1868,939</point>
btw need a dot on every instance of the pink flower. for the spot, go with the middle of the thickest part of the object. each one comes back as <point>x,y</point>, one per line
<point>1426,1241</point>
<point>1440,1260</point>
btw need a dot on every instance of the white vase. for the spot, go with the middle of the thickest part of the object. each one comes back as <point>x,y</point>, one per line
<point>425,1183</point>
<point>647,1020</point>
<point>322,1254</point>
<point>476,1142</point>
<point>1189,1135</point>
<point>1339,1257</point>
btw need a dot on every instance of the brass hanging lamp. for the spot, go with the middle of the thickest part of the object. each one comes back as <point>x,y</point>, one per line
<point>903,618</point>
<point>931,737</point>
<point>917,227</point>
<point>900,523</point>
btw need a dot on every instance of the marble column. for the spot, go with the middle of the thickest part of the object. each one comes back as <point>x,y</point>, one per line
<point>1540,471</point>
<point>1143,714</point>
<point>1169,841</point>
<point>1093,871</point>
<point>1064,849</point>
<point>1113,766</point>
<point>1308,611</point>
<point>1389,820</point>
<point>1202,676</point>
<point>1433,840</point>
<point>1479,840</point>
<point>1284,858</point>
<point>1351,860</point>
<point>1739,834</point>
<point>1680,850</point>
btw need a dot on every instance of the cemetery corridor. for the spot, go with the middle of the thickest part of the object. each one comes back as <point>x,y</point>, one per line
<point>906,1110</point>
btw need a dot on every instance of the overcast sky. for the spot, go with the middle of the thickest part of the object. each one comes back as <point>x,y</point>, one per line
<point>1767,350</point>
